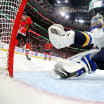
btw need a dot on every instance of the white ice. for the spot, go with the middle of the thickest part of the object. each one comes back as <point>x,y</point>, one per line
<point>32,84</point>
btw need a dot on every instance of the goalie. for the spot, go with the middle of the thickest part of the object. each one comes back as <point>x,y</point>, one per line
<point>85,62</point>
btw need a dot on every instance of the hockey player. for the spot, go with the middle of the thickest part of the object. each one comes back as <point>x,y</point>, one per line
<point>23,32</point>
<point>82,63</point>
<point>48,47</point>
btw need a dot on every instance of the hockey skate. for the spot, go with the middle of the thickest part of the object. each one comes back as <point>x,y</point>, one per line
<point>27,57</point>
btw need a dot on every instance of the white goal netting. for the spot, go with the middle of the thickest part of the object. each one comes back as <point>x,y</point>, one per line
<point>8,13</point>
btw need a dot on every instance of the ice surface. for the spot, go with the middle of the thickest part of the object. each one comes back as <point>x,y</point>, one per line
<point>34,73</point>
<point>88,88</point>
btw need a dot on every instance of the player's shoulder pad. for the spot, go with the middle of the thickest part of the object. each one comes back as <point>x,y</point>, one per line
<point>29,20</point>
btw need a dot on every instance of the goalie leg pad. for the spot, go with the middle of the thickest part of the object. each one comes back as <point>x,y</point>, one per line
<point>89,63</point>
<point>76,66</point>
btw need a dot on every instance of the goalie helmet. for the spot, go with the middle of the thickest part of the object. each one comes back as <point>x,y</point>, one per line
<point>96,6</point>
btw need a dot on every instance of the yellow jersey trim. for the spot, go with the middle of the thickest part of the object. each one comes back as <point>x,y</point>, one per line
<point>87,39</point>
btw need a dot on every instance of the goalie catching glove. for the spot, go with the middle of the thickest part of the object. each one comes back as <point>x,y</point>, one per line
<point>59,38</point>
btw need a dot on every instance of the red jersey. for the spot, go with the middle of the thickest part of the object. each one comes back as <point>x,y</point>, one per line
<point>24,25</point>
<point>48,46</point>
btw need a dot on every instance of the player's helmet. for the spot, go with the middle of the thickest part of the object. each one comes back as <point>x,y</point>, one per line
<point>24,13</point>
<point>96,6</point>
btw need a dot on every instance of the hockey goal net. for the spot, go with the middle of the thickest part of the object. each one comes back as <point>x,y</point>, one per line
<point>10,15</point>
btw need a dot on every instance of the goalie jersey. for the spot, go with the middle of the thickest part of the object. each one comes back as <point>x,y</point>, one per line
<point>98,35</point>
<point>95,36</point>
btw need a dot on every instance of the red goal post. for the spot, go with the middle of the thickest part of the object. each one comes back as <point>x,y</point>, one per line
<point>13,37</point>
<point>16,22</point>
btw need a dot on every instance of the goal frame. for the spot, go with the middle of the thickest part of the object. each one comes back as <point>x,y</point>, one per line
<point>13,38</point>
